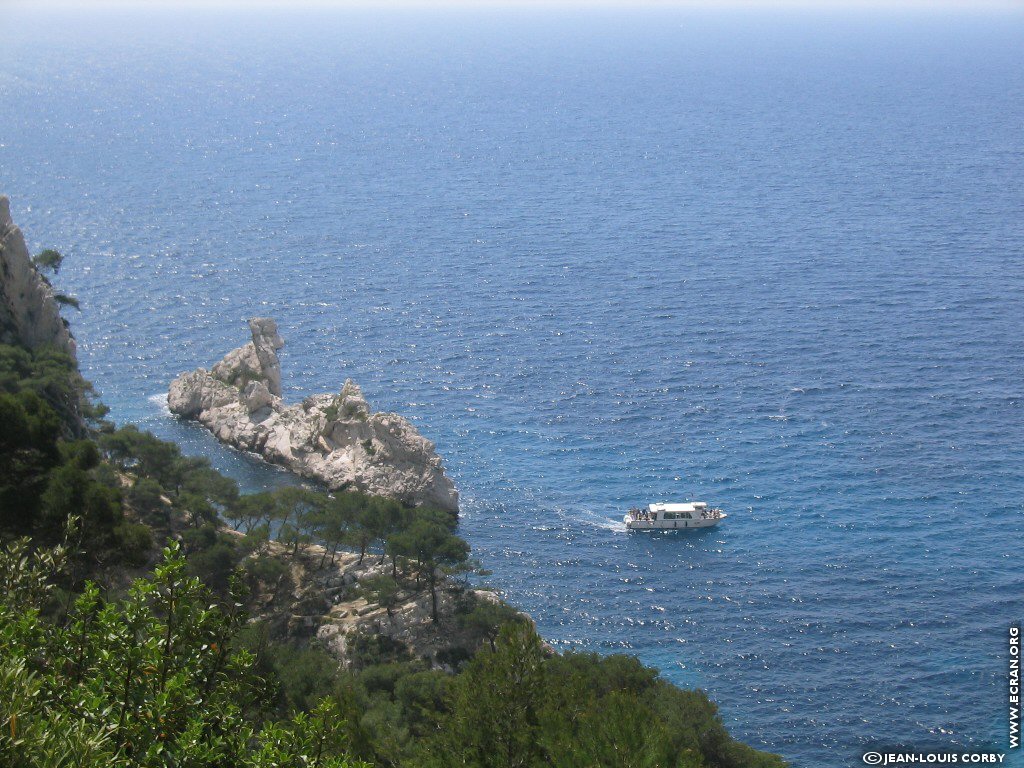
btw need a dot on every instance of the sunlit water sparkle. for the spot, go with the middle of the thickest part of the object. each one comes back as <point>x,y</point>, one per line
<point>774,263</point>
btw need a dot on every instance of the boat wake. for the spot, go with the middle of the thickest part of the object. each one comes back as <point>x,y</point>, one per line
<point>600,521</point>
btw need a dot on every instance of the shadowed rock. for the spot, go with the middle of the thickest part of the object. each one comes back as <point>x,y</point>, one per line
<point>29,315</point>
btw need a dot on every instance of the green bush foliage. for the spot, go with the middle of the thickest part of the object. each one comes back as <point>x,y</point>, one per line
<point>48,260</point>
<point>53,377</point>
<point>520,705</point>
<point>148,680</point>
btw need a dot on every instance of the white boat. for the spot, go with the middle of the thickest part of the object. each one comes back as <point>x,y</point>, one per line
<point>663,516</point>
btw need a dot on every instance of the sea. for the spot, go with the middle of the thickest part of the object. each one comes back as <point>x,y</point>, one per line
<point>772,260</point>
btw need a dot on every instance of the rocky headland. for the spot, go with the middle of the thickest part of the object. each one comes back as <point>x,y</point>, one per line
<point>335,439</point>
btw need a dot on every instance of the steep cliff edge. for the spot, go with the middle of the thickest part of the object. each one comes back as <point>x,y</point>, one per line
<point>335,439</point>
<point>29,315</point>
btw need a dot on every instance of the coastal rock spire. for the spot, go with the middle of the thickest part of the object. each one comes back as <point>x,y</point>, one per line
<point>266,342</point>
<point>335,439</point>
<point>256,362</point>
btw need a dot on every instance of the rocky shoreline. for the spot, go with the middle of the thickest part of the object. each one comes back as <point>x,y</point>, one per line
<point>334,439</point>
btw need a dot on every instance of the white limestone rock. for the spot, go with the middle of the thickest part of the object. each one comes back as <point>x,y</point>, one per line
<point>336,439</point>
<point>266,341</point>
<point>257,395</point>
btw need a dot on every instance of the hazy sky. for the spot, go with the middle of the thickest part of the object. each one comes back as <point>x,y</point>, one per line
<point>1014,5</point>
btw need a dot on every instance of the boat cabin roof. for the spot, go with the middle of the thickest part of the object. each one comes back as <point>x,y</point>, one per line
<point>696,506</point>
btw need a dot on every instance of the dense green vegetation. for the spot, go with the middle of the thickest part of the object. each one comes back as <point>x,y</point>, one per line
<point>50,468</point>
<point>151,679</point>
<point>167,669</point>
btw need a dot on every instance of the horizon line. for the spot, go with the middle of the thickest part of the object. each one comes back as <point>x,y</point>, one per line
<point>942,6</point>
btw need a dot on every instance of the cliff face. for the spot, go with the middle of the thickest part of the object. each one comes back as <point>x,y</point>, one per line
<point>29,316</point>
<point>335,439</point>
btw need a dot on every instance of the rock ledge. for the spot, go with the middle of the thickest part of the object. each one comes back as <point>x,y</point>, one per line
<point>335,439</point>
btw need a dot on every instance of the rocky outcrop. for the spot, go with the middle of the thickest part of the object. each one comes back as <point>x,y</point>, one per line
<point>335,439</point>
<point>328,600</point>
<point>29,315</point>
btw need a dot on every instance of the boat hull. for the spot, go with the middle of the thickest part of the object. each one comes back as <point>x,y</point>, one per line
<point>670,525</point>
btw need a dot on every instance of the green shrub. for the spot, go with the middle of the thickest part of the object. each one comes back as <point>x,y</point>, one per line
<point>268,571</point>
<point>48,260</point>
<point>331,411</point>
<point>134,541</point>
<point>366,650</point>
<point>149,681</point>
<point>305,675</point>
<point>146,497</point>
<point>486,618</point>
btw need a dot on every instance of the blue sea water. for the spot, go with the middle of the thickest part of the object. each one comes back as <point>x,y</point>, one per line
<point>772,261</point>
